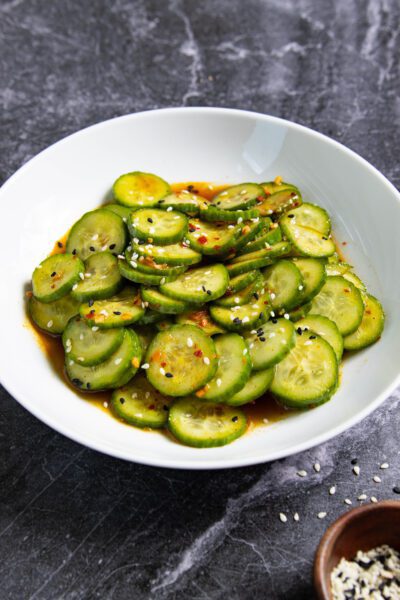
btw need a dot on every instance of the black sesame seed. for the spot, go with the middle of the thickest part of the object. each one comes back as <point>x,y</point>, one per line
<point>291,216</point>
<point>116,312</point>
<point>260,316</point>
<point>165,407</point>
<point>74,251</point>
<point>299,330</point>
<point>91,302</point>
<point>150,220</point>
<point>77,382</point>
<point>203,287</point>
<point>312,337</point>
<point>237,321</point>
<point>256,296</point>
<point>274,321</point>
<point>53,274</point>
<point>92,248</point>
<point>209,292</point>
<point>324,238</point>
<point>354,461</point>
<point>262,339</point>
<point>60,244</point>
<point>161,201</point>
<point>169,375</point>
<point>112,246</point>
<point>396,489</point>
<point>190,187</point>
<point>88,386</point>
<point>122,400</point>
<point>234,419</point>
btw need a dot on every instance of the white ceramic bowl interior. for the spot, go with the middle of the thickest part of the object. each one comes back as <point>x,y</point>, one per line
<point>49,193</point>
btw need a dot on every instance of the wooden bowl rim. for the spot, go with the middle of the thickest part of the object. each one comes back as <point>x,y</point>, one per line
<point>331,534</point>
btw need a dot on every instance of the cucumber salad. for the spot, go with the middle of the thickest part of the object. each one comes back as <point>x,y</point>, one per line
<point>188,308</point>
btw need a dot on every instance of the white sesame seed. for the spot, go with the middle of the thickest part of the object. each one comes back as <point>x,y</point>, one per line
<point>321,515</point>
<point>74,286</point>
<point>189,342</point>
<point>162,281</point>
<point>271,335</point>
<point>145,365</point>
<point>245,350</point>
<point>373,499</point>
<point>245,319</point>
<point>356,470</point>
<point>121,256</point>
<point>206,360</point>
<point>362,497</point>
<point>317,467</point>
<point>169,209</point>
<point>272,296</point>
<point>71,362</point>
<point>81,275</point>
<point>133,264</point>
<point>152,230</point>
<point>240,220</point>
<point>348,501</point>
<point>301,287</point>
<point>95,328</point>
<point>265,421</point>
<point>296,517</point>
<point>272,313</point>
<point>332,490</point>
<point>219,382</point>
<point>80,358</point>
<point>117,361</point>
<point>162,371</point>
<point>95,237</point>
<point>377,479</point>
<point>81,336</point>
<point>308,343</point>
<point>384,465</point>
<point>134,395</point>
<point>286,316</point>
<point>283,517</point>
<point>302,473</point>
<point>105,404</point>
<point>50,323</point>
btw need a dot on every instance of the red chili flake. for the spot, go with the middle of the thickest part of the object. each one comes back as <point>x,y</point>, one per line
<point>151,407</point>
<point>90,315</point>
<point>346,290</point>
<point>163,364</point>
<point>296,204</point>
<point>192,227</point>
<point>216,247</point>
<point>368,311</point>
<point>344,243</point>
<point>202,239</point>
<point>198,353</point>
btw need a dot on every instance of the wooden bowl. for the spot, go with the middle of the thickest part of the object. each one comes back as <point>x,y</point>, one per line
<point>362,528</point>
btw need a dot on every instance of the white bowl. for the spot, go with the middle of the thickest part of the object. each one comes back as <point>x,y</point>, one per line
<point>42,200</point>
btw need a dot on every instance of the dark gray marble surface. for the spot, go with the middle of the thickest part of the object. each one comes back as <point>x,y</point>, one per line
<point>78,525</point>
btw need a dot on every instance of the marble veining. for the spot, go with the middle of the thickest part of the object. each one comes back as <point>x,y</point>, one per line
<point>76,525</point>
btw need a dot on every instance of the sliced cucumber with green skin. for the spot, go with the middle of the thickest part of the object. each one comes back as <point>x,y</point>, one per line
<point>120,310</point>
<point>271,187</point>
<point>145,334</point>
<point>258,383</point>
<point>173,254</point>
<point>198,285</point>
<point>88,347</point>
<point>212,238</point>
<point>97,231</point>
<point>109,373</point>
<point>312,216</point>
<point>184,201</point>
<point>159,226</point>
<point>325,328</point>
<point>143,278</point>
<point>244,296</point>
<point>270,343</point>
<point>370,328</point>
<point>201,318</point>
<point>313,273</point>
<point>236,197</point>
<point>150,317</point>
<point>307,241</point>
<point>181,360</point>
<point>257,260</point>
<point>344,269</point>
<point>241,281</point>
<point>101,278</point>
<point>139,404</point>
<point>234,368</point>
<point>308,375</point>
<point>271,237</point>
<point>249,231</point>
<point>138,190</point>
<point>242,317</point>
<point>56,276</point>
<point>118,209</point>
<point>299,312</point>
<point>205,425</point>
<point>144,264</point>
<point>284,283</point>
<point>280,201</point>
<point>161,303</point>
<point>211,213</point>
<point>340,301</point>
<point>53,317</point>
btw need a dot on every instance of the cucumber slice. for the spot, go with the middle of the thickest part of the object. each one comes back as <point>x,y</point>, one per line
<point>145,334</point>
<point>311,216</point>
<point>173,254</point>
<point>299,312</point>
<point>249,232</point>
<point>256,260</point>
<point>181,360</point>
<point>53,316</point>
<point>108,374</point>
<point>242,297</point>
<point>280,201</point>
<point>370,328</point>
<point>267,239</point>
<point>118,311</point>
<point>97,231</point>
<point>212,238</point>
<point>306,241</point>
<point>238,283</point>
<point>118,209</point>
<point>271,187</point>
<point>88,347</point>
<point>313,273</point>
<point>56,276</point>
<point>184,201</point>
<point>101,278</point>
<point>234,368</point>
<point>256,386</point>
<point>208,212</point>
<point>205,425</point>
<point>270,343</point>
<point>139,404</point>
<point>242,196</point>
<point>145,264</point>
<point>284,284</point>
<point>198,285</point>
<point>242,317</point>
<point>341,302</point>
<point>344,269</point>
<point>159,226</point>
<point>161,303</point>
<point>133,274</point>
<point>138,189</point>
<point>325,328</point>
<point>308,374</point>
<point>201,318</point>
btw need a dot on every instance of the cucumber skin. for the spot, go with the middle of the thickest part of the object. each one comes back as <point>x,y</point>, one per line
<point>100,358</point>
<point>63,290</point>
<point>162,240</point>
<point>135,205</point>
<point>193,258</point>
<point>136,276</point>
<point>170,307</point>
<point>142,421</point>
<point>240,398</point>
<point>100,294</point>
<point>242,281</point>
<point>118,222</point>
<point>201,297</point>
<point>58,323</point>
<point>352,346</point>
<point>230,216</point>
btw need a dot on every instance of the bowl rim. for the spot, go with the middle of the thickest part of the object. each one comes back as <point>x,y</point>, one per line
<point>226,462</point>
<point>330,536</point>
